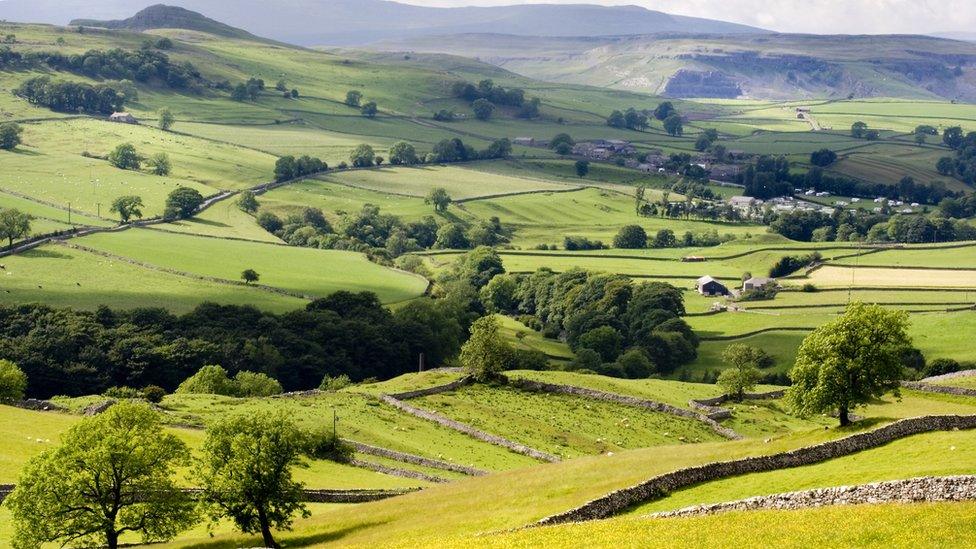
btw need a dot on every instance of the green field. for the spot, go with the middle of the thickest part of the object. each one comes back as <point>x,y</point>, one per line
<point>300,270</point>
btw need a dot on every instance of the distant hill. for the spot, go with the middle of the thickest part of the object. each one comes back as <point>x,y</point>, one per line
<point>168,17</point>
<point>768,66</point>
<point>352,22</point>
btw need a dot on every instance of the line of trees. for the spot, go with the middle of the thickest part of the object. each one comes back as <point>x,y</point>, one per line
<point>615,327</point>
<point>143,65</point>
<point>485,96</point>
<point>73,97</point>
<point>63,351</point>
<point>116,473</point>
<point>962,165</point>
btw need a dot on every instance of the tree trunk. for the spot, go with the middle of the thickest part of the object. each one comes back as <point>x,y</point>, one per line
<point>845,418</point>
<point>111,538</point>
<point>269,540</point>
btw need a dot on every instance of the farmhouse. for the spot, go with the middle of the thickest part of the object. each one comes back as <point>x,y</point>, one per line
<point>708,286</point>
<point>123,118</point>
<point>724,172</point>
<point>744,203</point>
<point>757,283</point>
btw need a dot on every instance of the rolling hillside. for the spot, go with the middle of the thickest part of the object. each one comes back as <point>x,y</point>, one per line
<point>346,22</point>
<point>769,66</point>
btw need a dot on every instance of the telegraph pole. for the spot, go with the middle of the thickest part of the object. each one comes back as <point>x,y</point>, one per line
<point>69,213</point>
<point>421,369</point>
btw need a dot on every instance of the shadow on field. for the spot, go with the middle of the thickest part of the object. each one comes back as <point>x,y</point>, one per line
<point>47,254</point>
<point>285,540</point>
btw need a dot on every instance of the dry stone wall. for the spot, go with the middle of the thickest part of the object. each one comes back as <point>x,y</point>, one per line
<point>951,375</point>
<point>661,485</point>
<point>416,460</point>
<point>711,406</point>
<point>311,496</point>
<point>942,389</point>
<point>395,471</point>
<point>916,490</point>
<point>468,430</point>
<point>436,390</point>
<point>530,385</point>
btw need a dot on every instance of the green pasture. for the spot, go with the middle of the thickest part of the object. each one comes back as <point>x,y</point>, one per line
<point>903,526</point>
<point>900,277</point>
<point>967,382</point>
<point>63,277</point>
<point>42,212</point>
<point>338,201</point>
<point>961,257</point>
<point>306,271</point>
<point>361,418</point>
<point>930,454</point>
<point>523,337</point>
<point>222,220</point>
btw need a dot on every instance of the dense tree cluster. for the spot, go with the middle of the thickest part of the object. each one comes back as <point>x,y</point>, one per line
<point>963,165</point>
<point>289,167</point>
<point>144,65</point>
<point>845,226</point>
<point>485,96</point>
<point>631,119</point>
<point>63,351</point>
<point>790,264</point>
<point>770,177</point>
<point>73,97</point>
<point>616,327</point>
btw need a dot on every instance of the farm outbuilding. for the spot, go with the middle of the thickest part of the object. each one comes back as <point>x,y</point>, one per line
<point>757,283</point>
<point>708,286</point>
<point>123,118</point>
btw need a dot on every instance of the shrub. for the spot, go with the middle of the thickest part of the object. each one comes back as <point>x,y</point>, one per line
<point>332,384</point>
<point>809,288</point>
<point>631,237</point>
<point>941,366</point>
<point>326,444</point>
<point>13,381</point>
<point>530,359</point>
<point>209,380</point>
<point>153,393</point>
<point>122,393</point>
<point>254,384</point>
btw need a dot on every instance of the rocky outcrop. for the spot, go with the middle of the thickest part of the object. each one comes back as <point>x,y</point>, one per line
<point>661,485</point>
<point>916,490</point>
<point>530,385</point>
<point>468,430</point>
<point>414,459</point>
<point>38,405</point>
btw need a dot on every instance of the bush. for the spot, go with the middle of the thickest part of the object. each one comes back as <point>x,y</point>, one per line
<point>153,393</point>
<point>122,393</point>
<point>530,359</point>
<point>333,384</point>
<point>124,157</point>
<point>209,380</point>
<point>809,288</point>
<point>254,384</point>
<point>326,444</point>
<point>631,237</point>
<point>13,381</point>
<point>941,366</point>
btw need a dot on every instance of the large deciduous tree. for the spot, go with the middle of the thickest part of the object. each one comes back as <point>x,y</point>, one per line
<point>744,374</point>
<point>849,361</point>
<point>182,202</point>
<point>486,354</point>
<point>13,381</point>
<point>10,135</point>
<point>124,157</point>
<point>14,224</point>
<point>127,207</point>
<point>246,472</point>
<point>438,198</point>
<point>112,474</point>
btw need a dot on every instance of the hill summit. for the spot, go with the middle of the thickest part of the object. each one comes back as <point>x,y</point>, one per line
<point>160,16</point>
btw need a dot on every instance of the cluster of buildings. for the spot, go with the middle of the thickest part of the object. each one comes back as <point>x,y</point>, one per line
<point>748,205</point>
<point>123,118</point>
<point>603,149</point>
<point>712,287</point>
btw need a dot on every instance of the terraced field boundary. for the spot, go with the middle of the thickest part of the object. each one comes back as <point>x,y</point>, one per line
<point>469,430</point>
<point>661,485</point>
<point>396,471</point>
<point>710,421</point>
<point>712,406</point>
<point>755,333</point>
<point>414,459</point>
<point>308,495</point>
<point>941,389</point>
<point>914,490</point>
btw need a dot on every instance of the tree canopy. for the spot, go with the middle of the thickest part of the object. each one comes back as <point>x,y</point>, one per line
<point>112,474</point>
<point>246,472</point>
<point>849,361</point>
